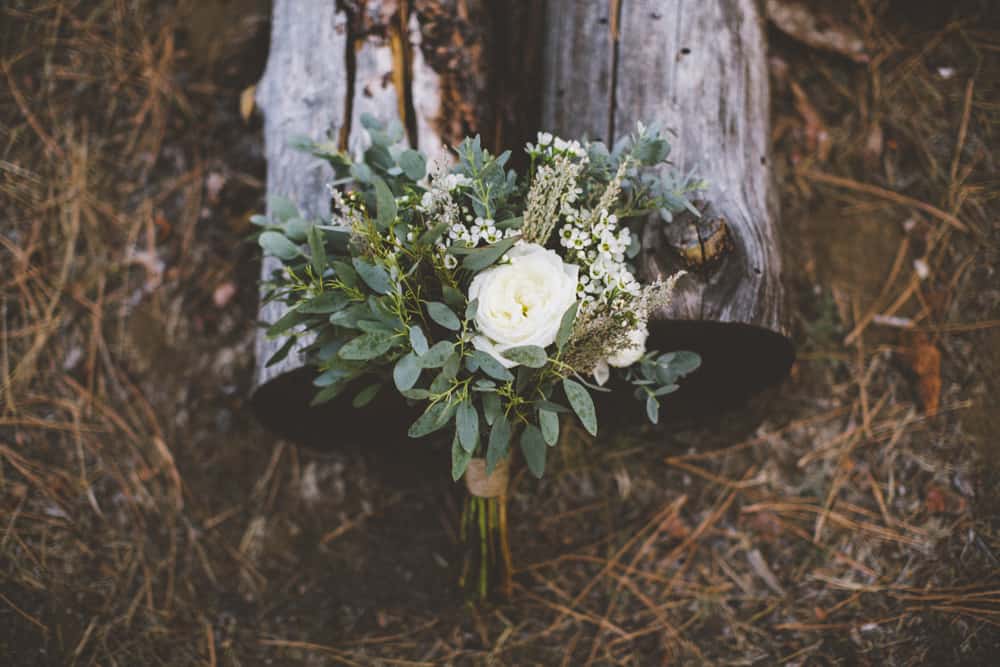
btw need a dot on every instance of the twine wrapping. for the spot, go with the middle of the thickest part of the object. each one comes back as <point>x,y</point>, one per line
<point>483,486</point>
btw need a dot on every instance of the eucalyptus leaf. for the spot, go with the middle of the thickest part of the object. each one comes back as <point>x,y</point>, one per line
<point>533,448</point>
<point>443,315</point>
<point>366,346</point>
<point>327,302</point>
<point>413,163</point>
<point>483,257</point>
<point>531,356</point>
<point>460,458</point>
<point>281,208</point>
<point>499,442</point>
<point>328,393</point>
<point>385,202</point>
<point>652,409</point>
<point>491,366</point>
<point>406,372</point>
<point>346,273</point>
<point>491,407</point>
<point>366,395</point>
<point>549,421</point>
<point>374,276</point>
<point>282,352</point>
<point>418,340</point>
<point>467,425</point>
<point>566,325</point>
<point>317,250</point>
<point>278,245</point>
<point>429,421</point>
<point>453,297</point>
<point>582,403</point>
<point>437,355</point>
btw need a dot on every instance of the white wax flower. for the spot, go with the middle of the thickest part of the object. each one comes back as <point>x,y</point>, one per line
<point>632,352</point>
<point>523,302</point>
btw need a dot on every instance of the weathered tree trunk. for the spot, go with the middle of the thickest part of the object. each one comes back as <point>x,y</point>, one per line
<point>449,68</point>
<point>445,68</point>
<point>697,67</point>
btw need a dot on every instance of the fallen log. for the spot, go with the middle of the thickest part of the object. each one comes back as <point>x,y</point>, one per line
<point>700,70</point>
<point>451,68</point>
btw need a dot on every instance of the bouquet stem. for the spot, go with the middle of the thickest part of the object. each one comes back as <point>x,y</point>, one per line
<point>488,563</point>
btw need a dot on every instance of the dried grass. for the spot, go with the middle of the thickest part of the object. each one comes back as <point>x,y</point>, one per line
<point>147,520</point>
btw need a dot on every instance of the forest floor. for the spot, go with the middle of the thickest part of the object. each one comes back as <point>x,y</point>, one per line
<point>851,516</point>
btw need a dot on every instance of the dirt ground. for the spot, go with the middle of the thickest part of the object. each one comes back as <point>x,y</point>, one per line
<point>851,516</point>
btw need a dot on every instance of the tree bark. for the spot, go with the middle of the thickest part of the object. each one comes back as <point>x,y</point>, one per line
<point>445,68</point>
<point>698,68</point>
<point>449,68</point>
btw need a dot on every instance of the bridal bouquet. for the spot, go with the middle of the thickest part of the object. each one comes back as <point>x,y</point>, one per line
<point>495,303</point>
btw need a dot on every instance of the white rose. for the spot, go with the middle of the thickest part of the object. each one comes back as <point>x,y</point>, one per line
<point>633,350</point>
<point>522,303</point>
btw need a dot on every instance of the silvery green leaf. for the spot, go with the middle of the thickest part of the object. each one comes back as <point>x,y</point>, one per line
<point>531,356</point>
<point>551,407</point>
<point>418,340</point>
<point>282,352</point>
<point>385,202</point>
<point>533,448</point>
<point>491,366</point>
<point>460,458</point>
<point>366,395</point>
<point>434,233</point>
<point>467,425</point>
<point>416,394</point>
<point>297,229</point>
<point>346,273</point>
<point>327,302</point>
<point>437,355</point>
<point>406,372</point>
<point>281,208</point>
<point>443,315</point>
<point>453,297</point>
<point>374,276</point>
<point>366,346</point>
<point>413,163</point>
<point>362,173</point>
<point>483,257</point>
<point>331,375</point>
<point>683,362</point>
<point>549,421</point>
<point>373,326</point>
<point>491,408</point>
<point>582,403</point>
<point>317,250</point>
<point>286,322</point>
<point>328,393</point>
<point>652,409</point>
<point>428,422</point>
<point>472,309</point>
<point>278,245</point>
<point>566,325</point>
<point>371,122</point>
<point>667,389</point>
<point>349,317</point>
<point>499,442</point>
<point>510,223</point>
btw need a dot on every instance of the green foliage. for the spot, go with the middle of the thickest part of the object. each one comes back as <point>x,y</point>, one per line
<point>383,284</point>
